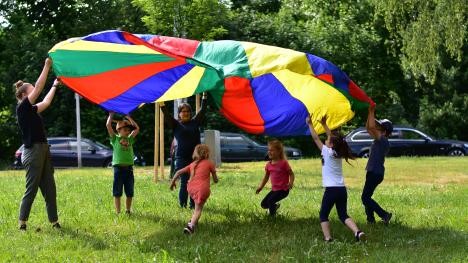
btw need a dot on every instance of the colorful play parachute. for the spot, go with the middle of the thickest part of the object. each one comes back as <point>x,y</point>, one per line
<point>261,89</point>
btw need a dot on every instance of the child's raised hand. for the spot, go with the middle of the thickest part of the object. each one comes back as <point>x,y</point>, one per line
<point>323,120</point>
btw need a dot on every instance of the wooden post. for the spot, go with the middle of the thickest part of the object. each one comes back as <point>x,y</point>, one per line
<point>156,141</point>
<point>161,142</point>
<point>197,103</point>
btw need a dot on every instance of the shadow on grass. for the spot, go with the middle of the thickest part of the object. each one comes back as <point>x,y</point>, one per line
<point>251,236</point>
<point>86,238</point>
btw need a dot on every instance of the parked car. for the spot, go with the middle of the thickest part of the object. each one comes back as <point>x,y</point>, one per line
<point>236,147</point>
<point>64,153</point>
<point>406,141</point>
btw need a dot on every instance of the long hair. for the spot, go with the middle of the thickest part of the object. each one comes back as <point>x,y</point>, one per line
<point>341,147</point>
<point>21,88</point>
<point>200,153</point>
<point>276,144</point>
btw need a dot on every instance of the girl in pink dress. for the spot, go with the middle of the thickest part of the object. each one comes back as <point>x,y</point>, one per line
<point>281,175</point>
<point>199,182</point>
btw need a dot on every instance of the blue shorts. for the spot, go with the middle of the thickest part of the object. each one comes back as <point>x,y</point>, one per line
<point>123,180</point>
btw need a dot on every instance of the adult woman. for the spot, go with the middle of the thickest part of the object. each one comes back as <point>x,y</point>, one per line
<point>187,134</point>
<point>36,155</point>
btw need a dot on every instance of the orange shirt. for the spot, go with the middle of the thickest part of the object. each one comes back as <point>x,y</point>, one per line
<point>199,183</point>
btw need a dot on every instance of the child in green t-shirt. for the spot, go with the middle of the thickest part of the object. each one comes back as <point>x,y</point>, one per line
<point>122,159</point>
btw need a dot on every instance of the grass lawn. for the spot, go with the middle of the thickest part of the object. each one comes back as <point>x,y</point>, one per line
<point>428,197</point>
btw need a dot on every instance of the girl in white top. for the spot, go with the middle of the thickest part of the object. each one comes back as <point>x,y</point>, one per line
<point>333,152</point>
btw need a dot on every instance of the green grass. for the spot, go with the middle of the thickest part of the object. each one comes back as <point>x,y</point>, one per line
<point>428,197</point>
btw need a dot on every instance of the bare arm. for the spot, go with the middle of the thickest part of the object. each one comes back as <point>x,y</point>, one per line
<point>200,115</point>
<point>291,179</point>
<point>177,175</point>
<point>370,124</point>
<point>314,134</point>
<point>215,177</point>
<point>263,183</point>
<point>174,179</point>
<point>45,103</point>
<point>40,82</point>
<point>110,130</point>
<point>325,126</point>
<point>134,124</point>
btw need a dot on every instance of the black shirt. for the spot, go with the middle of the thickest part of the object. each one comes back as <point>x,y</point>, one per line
<point>187,133</point>
<point>30,123</point>
<point>378,150</point>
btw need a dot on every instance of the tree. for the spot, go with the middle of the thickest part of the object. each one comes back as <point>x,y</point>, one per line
<point>194,19</point>
<point>430,38</point>
<point>28,30</point>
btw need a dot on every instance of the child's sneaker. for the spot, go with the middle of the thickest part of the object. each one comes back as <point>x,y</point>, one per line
<point>188,229</point>
<point>386,219</point>
<point>360,236</point>
<point>56,226</point>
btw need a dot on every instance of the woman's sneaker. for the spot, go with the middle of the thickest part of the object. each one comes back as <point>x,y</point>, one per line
<point>360,236</point>
<point>386,219</point>
<point>188,229</point>
<point>22,227</point>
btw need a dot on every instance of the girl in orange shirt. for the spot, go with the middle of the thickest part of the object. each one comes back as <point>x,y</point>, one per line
<point>199,182</point>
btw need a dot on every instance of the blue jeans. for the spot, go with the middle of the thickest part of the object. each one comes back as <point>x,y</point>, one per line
<point>183,193</point>
<point>123,180</point>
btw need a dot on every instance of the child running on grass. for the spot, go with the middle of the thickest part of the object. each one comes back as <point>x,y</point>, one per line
<point>333,151</point>
<point>122,159</point>
<point>199,182</point>
<point>380,130</point>
<point>281,174</point>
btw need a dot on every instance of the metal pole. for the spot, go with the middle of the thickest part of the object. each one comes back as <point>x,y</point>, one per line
<point>78,129</point>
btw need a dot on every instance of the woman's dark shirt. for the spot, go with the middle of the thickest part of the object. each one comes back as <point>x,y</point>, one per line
<point>30,123</point>
<point>187,133</point>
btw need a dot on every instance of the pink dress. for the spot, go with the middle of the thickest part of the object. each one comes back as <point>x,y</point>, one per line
<point>199,183</point>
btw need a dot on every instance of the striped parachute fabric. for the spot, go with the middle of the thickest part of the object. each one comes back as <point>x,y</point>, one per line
<point>261,89</point>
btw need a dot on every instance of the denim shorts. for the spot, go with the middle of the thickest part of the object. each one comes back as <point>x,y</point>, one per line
<point>123,180</point>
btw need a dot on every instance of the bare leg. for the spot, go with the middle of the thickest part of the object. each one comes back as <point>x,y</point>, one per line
<point>351,225</point>
<point>326,230</point>
<point>196,214</point>
<point>358,234</point>
<point>128,204</point>
<point>117,204</point>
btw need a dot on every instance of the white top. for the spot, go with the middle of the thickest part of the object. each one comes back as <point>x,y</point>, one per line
<point>332,171</point>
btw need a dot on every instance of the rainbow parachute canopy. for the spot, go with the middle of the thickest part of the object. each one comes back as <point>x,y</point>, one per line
<point>261,89</point>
